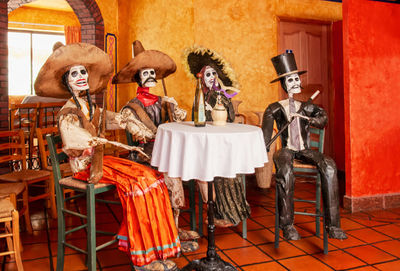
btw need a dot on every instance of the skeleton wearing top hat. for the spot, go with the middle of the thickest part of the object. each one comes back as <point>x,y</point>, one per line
<point>145,68</point>
<point>295,145</point>
<point>218,79</point>
<point>79,70</point>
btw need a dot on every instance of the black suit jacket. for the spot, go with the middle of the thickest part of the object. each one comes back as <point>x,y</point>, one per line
<point>275,111</point>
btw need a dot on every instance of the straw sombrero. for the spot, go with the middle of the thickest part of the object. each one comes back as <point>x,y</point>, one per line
<point>48,83</point>
<point>162,64</point>
<point>196,57</point>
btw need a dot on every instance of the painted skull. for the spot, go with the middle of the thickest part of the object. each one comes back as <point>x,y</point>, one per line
<point>210,76</point>
<point>148,77</point>
<point>293,83</point>
<point>78,79</point>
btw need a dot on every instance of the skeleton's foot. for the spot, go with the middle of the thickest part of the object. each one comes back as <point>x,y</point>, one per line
<point>166,265</point>
<point>336,233</point>
<point>185,235</point>
<point>189,246</point>
<point>290,233</point>
<point>222,223</point>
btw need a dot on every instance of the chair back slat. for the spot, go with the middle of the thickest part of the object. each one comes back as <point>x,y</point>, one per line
<point>43,145</point>
<point>317,137</point>
<point>23,116</point>
<point>9,146</point>
<point>12,147</point>
<point>48,114</point>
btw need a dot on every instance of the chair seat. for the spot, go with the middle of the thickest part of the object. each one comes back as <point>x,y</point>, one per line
<point>80,184</point>
<point>6,208</point>
<point>298,164</point>
<point>11,188</point>
<point>65,169</point>
<point>24,175</point>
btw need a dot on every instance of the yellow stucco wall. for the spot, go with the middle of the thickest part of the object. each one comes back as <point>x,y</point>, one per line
<point>162,25</point>
<point>41,16</point>
<point>244,32</point>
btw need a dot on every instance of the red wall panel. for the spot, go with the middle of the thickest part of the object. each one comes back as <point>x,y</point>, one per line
<point>372,98</point>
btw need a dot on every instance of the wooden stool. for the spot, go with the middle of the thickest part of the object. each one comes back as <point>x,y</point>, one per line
<point>13,190</point>
<point>11,231</point>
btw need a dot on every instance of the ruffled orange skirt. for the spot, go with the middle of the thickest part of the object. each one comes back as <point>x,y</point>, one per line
<point>148,230</point>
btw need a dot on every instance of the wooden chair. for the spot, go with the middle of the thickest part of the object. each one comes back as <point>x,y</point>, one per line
<point>308,171</point>
<point>112,135</point>
<point>47,114</point>
<point>18,193</point>
<point>83,190</point>
<point>239,118</point>
<point>264,174</point>
<point>13,153</point>
<point>24,117</point>
<point>9,216</point>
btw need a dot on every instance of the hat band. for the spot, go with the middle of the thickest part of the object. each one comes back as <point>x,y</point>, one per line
<point>287,73</point>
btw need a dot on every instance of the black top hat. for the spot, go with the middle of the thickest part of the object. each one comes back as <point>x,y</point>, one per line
<point>285,64</point>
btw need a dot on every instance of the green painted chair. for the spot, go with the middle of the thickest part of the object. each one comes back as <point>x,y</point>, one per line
<point>317,137</point>
<point>82,190</point>
<point>191,186</point>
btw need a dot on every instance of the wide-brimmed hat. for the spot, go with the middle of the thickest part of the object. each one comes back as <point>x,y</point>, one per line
<point>162,64</point>
<point>98,64</point>
<point>196,57</point>
<point>285,64</point>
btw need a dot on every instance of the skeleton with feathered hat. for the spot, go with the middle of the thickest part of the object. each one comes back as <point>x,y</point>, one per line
<point>218,82</point>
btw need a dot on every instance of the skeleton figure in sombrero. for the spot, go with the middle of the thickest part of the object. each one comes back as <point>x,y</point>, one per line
<point>218,79</point>
<point>79,70</point>
<point>145,68</point>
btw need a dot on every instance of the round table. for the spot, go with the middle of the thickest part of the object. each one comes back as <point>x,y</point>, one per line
<point>184,151</point>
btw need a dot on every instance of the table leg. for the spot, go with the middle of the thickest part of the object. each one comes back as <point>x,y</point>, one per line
<point>212,262</point>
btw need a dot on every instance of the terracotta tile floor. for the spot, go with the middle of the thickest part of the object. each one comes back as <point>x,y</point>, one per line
<point>373,243</point>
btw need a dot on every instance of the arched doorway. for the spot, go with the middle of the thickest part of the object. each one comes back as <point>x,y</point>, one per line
<point>92,31</point>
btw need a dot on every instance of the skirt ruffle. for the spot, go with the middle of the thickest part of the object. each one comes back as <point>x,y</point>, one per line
<point>148,230</point>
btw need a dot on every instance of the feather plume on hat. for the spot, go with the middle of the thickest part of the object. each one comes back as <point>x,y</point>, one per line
<point>196,57</point>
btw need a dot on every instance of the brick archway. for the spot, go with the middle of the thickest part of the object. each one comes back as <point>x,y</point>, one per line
<point>92,31</point>
<point>89,16</point>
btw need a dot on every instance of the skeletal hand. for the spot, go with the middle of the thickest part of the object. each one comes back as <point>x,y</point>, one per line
<point>208,107</point>
<point>95,141</point>
<point>294,115</point>
<point>143,155</point>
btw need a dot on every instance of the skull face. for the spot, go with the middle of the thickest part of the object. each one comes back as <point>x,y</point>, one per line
<point>148,77</point>
<point>78,79</point>
<point>210,77</point>
<point>293,83</point>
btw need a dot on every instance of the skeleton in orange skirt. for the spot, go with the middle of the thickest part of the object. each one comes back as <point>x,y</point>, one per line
<point>148,232</point>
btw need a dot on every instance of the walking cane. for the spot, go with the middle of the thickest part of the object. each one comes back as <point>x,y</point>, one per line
<point>171,119</point>
<point>289,122</point>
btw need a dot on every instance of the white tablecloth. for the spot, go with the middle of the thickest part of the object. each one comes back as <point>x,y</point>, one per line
<point>188,152</point>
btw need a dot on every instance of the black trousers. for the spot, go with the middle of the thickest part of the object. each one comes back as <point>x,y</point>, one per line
<point>283,160</point>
